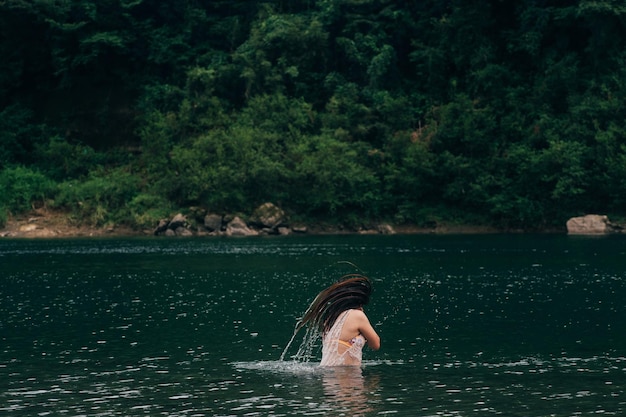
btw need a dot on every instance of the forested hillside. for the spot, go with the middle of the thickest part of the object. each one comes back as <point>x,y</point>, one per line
<point>497,112</point>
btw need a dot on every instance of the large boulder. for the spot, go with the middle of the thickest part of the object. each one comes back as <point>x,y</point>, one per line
<point>385,229</point>
<point>174,227</point>
<point>183,231</point>
<point>237,227</point>
<point>268,215</point>
<point>161,227</point>
<point>213,222</point>
<point>589,225</point>
<point>178,221</point>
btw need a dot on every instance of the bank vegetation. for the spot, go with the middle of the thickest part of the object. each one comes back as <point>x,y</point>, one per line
<point>490,112</point>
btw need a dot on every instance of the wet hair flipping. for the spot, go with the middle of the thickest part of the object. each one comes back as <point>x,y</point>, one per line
<point>352,291</point>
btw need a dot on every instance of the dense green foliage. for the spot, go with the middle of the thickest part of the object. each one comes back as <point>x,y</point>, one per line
<point>492,111</point>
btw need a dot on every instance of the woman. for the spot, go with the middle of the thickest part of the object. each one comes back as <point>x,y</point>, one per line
<point>338,313</point>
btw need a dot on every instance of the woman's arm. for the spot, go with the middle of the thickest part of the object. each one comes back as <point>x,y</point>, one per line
<point>368,332</point>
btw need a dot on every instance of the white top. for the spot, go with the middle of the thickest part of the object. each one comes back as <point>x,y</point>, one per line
<point>337,352</point>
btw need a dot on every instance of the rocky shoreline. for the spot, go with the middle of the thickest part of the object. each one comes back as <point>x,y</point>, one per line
<point>266,220</point>
<point>44,228</point>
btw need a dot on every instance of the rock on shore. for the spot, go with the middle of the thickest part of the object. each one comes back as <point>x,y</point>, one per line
<point>267,219</point>
<point>591,224</point>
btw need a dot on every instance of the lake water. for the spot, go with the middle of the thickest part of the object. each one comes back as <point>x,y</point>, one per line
<point>471,325</point>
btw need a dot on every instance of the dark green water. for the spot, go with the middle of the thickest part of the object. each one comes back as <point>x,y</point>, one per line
<point>514,325</point>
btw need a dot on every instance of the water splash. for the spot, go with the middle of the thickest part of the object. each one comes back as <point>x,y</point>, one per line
<point>279,367</point>
<point>282,355</point>
<point>302,362</point>
<point>309,342</point>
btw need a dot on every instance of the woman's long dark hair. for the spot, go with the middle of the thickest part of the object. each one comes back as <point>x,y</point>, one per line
<point>352,291</point>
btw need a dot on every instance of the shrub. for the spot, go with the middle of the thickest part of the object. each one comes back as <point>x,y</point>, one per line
<point>332,177</point>
<point>101,198</point>
<point>22,188</point>
<point>63,160</point>
<point>231,169</point>
<point>146,210</point>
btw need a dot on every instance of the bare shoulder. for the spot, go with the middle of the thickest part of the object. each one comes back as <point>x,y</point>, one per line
<point>356,312</point>
<point>359,315</point>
